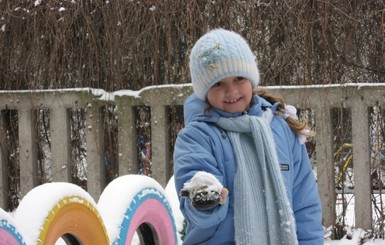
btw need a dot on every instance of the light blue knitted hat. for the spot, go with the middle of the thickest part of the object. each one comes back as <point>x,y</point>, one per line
<point>220,54</point>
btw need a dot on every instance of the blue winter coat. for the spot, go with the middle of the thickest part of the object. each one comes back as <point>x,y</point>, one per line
<point>203,146</point>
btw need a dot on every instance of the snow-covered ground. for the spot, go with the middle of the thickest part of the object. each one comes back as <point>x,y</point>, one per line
<point>354,236</point>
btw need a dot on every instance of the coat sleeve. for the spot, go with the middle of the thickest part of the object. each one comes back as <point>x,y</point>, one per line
<point>194,152</point>
<point>302,187</point>
<point>306,202</point>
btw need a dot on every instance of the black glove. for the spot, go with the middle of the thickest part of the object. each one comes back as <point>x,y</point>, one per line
<point>203,199</point>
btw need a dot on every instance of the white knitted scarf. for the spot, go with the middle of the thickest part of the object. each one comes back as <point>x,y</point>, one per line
<point>262,212</point>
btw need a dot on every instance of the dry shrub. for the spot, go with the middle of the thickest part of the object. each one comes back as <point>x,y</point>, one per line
<point>122,44</point>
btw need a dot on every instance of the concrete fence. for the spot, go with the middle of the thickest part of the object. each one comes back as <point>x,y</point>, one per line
<point>320,99</point>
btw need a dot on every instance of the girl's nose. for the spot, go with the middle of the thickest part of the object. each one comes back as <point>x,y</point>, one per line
<point>231,88</point>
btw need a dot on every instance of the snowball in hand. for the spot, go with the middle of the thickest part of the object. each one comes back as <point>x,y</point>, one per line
<point>204,191</point>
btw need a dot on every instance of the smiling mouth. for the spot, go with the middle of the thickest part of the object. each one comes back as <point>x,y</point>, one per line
<point>232,100</point>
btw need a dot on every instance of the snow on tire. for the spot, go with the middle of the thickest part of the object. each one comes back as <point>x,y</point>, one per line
<point>133,203</point>
<point>56,211</point>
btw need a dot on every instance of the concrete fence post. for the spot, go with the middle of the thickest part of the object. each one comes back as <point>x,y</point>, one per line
<point>60,143</point>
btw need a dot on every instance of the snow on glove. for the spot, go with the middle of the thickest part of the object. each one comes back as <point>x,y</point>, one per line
<point>204,191</point>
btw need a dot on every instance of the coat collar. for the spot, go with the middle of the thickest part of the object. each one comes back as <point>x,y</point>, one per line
<point>196,109</point>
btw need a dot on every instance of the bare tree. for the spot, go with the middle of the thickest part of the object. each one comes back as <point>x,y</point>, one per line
<point>132,44</point>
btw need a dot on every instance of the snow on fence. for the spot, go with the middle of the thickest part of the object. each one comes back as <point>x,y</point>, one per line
<point>319,98</point>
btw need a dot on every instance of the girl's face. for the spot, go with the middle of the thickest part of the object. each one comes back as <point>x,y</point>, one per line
<point>232,94</point>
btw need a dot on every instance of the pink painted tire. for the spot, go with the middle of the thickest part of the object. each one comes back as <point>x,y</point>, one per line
<point>141,206</point>
<point>9,233</point>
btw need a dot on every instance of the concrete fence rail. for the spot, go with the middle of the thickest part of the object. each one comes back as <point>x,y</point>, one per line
<point>320,99</point>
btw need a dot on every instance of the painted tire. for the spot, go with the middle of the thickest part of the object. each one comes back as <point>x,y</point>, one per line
<point>139,201</point>
<point>9,233</point>
<point>68,213</point>
<point>172,196</point>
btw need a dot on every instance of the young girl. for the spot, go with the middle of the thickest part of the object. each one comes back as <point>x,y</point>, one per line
<point>243,173</point>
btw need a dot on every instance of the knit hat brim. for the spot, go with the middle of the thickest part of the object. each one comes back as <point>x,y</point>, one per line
<point>226,68</point>
<point>220,54</point>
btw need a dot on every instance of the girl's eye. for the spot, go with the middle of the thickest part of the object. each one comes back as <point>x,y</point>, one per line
<point>239,79</point>
<point>217,84</point>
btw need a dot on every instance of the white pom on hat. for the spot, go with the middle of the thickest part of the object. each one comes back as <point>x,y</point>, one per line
<point>220,54</point>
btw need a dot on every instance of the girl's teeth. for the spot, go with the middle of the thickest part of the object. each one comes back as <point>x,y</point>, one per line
<point>232,101</point>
